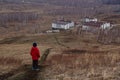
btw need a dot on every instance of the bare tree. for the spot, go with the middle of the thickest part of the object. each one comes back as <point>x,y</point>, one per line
<point>109,36</point>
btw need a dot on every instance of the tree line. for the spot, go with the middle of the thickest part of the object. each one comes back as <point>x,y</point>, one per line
<point>109,36</point>
<point>17,17</point>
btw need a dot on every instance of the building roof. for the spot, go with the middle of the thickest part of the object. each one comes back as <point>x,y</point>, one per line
<point>62,22</point>
<point>93,24</point>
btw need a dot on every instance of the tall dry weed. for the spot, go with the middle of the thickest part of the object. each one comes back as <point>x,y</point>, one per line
<point>10,61</point>
<point>85,59</point>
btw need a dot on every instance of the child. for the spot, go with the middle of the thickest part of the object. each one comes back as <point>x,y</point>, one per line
<point>35,56</point>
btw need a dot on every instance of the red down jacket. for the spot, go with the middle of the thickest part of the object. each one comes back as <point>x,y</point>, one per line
<point>35,53</point>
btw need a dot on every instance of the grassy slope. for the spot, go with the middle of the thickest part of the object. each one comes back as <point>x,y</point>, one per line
<point>84,59</point>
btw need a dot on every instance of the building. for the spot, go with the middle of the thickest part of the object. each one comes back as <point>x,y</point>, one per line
<point>94,26</point>
<point>90,19</point>
<point>61,24</point>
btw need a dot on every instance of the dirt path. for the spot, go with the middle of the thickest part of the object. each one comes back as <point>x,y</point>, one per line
<point>23,73</point>
<point>11,73</point>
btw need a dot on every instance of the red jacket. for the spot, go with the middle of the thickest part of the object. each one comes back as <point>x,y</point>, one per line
<point>35,53</point>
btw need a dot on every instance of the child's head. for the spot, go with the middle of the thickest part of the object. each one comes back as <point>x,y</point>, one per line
<point>34,44</point>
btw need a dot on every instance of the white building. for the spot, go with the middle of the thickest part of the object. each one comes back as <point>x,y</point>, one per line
<point>61,24</point>
<point>90,19</point>
<point>94,26</point>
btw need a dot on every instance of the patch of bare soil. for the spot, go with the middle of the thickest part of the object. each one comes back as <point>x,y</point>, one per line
<point>9,74</point>
<point>25,73</point>
<point>5,76</point>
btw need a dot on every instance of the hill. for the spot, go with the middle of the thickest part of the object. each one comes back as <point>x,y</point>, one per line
<point>82,59</point>
<point>111,2</point>
<point>35,16</point>
<point>73,6</point>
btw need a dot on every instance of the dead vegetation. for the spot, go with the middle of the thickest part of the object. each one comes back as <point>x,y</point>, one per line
<point>109,36</point>
<point>10,61</point>
<point>84,65</point>
<point>84,59</point>
<point>76,56</point>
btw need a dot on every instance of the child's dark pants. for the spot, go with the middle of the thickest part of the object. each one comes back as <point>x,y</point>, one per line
<point>35,64</point>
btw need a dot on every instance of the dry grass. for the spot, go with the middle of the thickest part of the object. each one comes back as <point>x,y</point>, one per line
<point>9,61</point>
<point>86,59</point>
<point>81,61</point>
<point>82,65</point>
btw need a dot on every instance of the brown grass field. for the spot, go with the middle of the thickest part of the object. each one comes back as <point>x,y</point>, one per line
<point>73,57</point>
<point>79,58</point>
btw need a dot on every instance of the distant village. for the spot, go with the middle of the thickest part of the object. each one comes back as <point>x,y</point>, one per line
<point>106,32</point>
<point>86,24</point>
